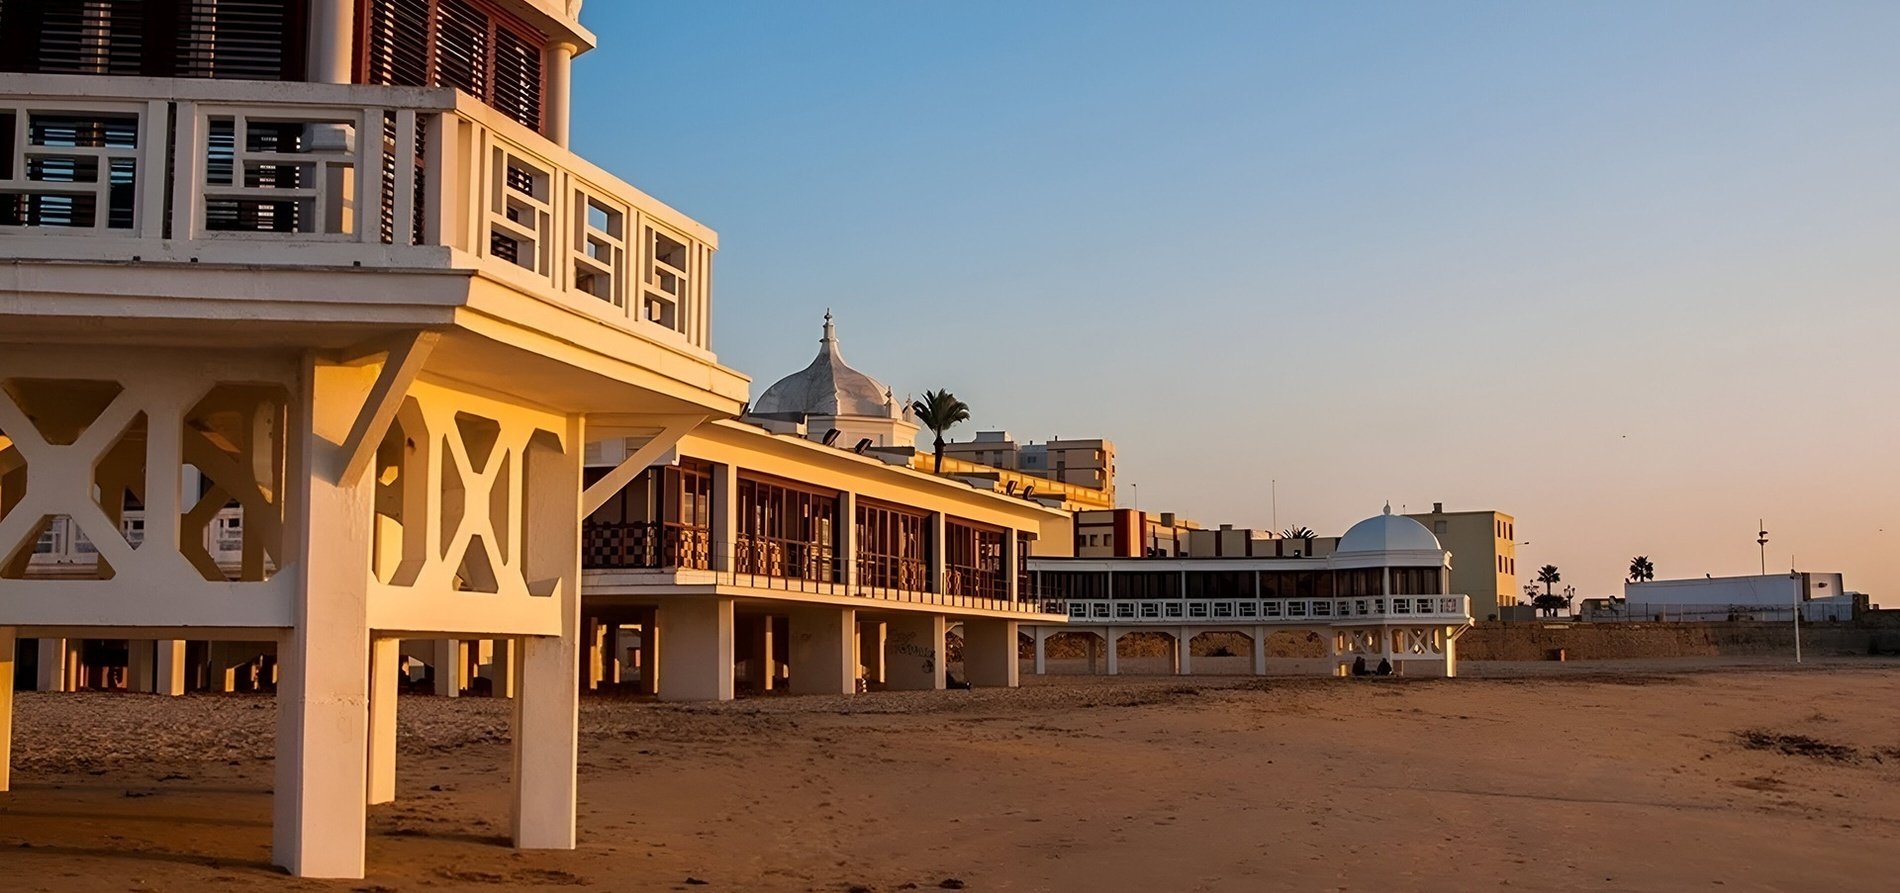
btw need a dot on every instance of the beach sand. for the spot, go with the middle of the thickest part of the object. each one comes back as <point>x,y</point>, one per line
<point>1627,776</point>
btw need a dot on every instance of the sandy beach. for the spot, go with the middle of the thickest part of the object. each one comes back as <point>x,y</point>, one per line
<point>1726,775</point>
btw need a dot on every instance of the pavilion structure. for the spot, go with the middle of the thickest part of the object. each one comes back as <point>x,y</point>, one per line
<point>1382,596</point>
<point>327,271</point>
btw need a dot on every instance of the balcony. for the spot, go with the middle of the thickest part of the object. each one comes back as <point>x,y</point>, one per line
<point>1421,609</point>
<point>302,176</point>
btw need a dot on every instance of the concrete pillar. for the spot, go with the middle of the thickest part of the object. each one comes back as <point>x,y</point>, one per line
<point>501,669</point>
<point>989,652</point>
<point>613,665</point>
<point>559,69</point>
<point>318,812</point>
<point>1012,562</point>
<point>547,683</point>
<point>7,640</point>
<point>385,661</point>
<point>1260,651</point>
<point>1042,657</point>
<point>1095,643</point>
<point>140,656</point>
<point>1451,654</point>
<point>332,29</point>
<point>823,639</point>
<point>756,637</point>
<point>52,665</point>
<point>169,654</point>
<point>913,653</point>
<point>650,652</point>
<point>697,664</point>
<point>871,635</point>
<point>1114,639</point>
<point>447,665</point>
<point>1183,653</point>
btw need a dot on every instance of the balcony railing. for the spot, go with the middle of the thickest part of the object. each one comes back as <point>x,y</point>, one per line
<point>255,173</point>
<point>645,545</point>
<point>1288,611</point>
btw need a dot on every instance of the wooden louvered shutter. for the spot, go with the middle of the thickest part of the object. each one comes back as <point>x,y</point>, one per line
<point>462,57</point>
<point>466,44</point>
<point>259,40</point>
<point>91,37</point>
<point>396,43</point>
<point>517,80</point>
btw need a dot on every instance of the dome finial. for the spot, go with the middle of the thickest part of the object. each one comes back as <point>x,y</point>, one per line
<point>1388,506</point>
<point>831,331</point>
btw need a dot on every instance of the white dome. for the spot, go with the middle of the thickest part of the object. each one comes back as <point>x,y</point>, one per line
<point>1388,532</point>
<point>828,387</point>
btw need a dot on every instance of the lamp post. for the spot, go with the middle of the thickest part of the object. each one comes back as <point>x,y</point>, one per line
<point>1761,541</point>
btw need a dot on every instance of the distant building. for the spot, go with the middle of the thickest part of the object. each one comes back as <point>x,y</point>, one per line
<point>1131,533</point>
<point>1822,596</point>
<point>1483,545</point>
<point>1084,463</point>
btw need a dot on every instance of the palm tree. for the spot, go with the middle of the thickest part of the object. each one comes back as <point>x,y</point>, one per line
<point>1641,569</point>
<point>1298,532</point>
<point>939,411</point>
<point>1548,576</point>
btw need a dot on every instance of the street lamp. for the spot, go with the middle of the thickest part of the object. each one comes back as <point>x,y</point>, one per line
<point>1761,540</point>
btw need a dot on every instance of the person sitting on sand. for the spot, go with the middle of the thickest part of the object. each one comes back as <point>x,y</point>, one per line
<point>1385,667</point>
<point>1359,666</point>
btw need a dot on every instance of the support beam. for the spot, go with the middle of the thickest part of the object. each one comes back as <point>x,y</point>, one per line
<point>1183,652</point>
<point>7,644</point>
<point>1114,638</point>
<point>913,653</point>
<point>871,635</point>
<point>447,665</point>
<point>399,371</point>
<point>169,654</point>
<point>674,428</point>
<point>140,673</point>
<point>761,672</point>
<point>823,639</point>
<point>385,663</point>
<point>697,664</point>
<point>1042,650</point>
<point>1260,651</point>
<point>501,669</point>
<point>547,684</point>
<point>989,652</point>
<point>51,665</point>
<point>650,652</point>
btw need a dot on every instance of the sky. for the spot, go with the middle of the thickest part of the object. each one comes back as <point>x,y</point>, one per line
<point>1627,271</point>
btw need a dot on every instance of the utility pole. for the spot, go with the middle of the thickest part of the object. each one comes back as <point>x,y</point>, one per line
<point>1761,540</point>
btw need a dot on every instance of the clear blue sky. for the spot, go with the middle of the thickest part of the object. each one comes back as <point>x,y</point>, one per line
<point>1629,271</point>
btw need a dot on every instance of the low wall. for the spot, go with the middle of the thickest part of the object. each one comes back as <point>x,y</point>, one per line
<point>1606,641</point>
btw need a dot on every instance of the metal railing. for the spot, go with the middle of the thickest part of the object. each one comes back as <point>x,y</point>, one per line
<point>1291,611</point>
<point>338,175</point>
<point>688,557</point>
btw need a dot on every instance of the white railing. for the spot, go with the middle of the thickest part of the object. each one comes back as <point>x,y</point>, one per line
<point>339,175</point>
<point>1290,611</point>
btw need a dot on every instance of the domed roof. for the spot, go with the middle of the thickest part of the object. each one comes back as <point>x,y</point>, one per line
<point>1388,532</point>
<point>827,387</point>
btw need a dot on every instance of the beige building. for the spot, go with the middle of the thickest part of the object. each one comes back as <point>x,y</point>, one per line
<point>1089,464</point>
<point>1483,545</point>
<point>1131,533</point>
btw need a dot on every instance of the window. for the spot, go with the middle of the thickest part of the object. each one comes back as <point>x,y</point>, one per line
<point>892,547</point>
<point>1074,584</point>
<point>786,531</point>
<point>1147,584</point>
<point>470,45</point>
<point>1439,527</point>
<point>973,560</point>
<point>1219,584</point>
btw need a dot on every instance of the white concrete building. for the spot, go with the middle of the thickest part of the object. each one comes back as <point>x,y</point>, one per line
<point>365,296</point>
<point>1821,596</point>
<point>1383,594</point>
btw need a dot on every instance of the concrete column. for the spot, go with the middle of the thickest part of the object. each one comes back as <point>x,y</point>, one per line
<point>1114,651</point>
<point>1012,581</point>
<point>756,637</point>
<point>1042,657</point>
<point>547,684</point>
<point>725,515</point>
<point>332,30</point>
<point>1260,651</point>
<point>650,652</point>
<point>170,673</point>
<point>501,669</point>
<point>1451,655</point>
<point>698,657</point>
<point>848,538</point>
<point>52,665</point>
<point>139,670</point>
<point>1183,654</point>
<point>614,663</point>
<point>318,810</point>
<point>7,640</point>
<point>447,664</point>
<point>558,101</point>
<point>385,660</point>
<point>1094,644</point>
<point>871,635</point>
<point>989,653</point>
<point>913,653</point>
<point>823,639</point>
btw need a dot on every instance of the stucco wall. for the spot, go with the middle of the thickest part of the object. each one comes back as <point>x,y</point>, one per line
<point>1603,641</point>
